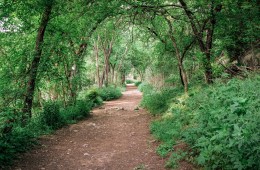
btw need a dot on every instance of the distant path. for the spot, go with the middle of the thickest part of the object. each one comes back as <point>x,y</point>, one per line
<point>116,137</point>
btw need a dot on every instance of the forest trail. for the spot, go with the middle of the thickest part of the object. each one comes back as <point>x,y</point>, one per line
<point>116,137</point>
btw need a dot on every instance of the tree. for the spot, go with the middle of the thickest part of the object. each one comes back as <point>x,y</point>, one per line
<point>32,75</point>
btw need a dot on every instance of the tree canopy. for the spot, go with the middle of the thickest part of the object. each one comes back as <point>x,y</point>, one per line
<point>52,50</point>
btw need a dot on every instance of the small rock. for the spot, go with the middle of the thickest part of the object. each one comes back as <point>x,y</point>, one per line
<point>92,124</point>
<point>86,154</point>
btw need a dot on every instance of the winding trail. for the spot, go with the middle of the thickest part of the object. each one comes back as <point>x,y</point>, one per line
<point>116,137</point>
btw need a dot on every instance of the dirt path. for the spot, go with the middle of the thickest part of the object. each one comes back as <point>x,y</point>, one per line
<point>116,137</point>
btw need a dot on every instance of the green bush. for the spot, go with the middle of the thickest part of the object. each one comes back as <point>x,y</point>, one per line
<point>145,88</point>
<point>109,93</point>
<point>51,115</point>
<point>221,123</point>
<point>93,96</point>
<point>76,112</point>
<point>129,82</point>
<point>157,102</point>
<point>138,83</point>
<point>19,140</point>
<point>226,123</point>
<point>13,138</point>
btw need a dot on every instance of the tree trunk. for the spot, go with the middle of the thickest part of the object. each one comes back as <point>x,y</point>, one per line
<point>183,74</point>
<point>96,49</point>
<point>122,78</point>
<point>113,66</point>
<point>205,47</point>
<point>32,75</point>
<point>107,49</point>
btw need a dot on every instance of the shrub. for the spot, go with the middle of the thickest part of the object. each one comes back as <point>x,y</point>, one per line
<point>13,138</point>
<point>109,93</point>
<point>221,123</point>
<point>93,96</point>
<point>76,112</point>
<point>129,82</point>
<point>157,102</point>
<point>138,83</point>
<point>145,88</point>
<point>226,123</point>
<point>51,115</point>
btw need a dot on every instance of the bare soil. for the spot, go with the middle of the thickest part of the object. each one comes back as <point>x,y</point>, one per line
<point>116,137</point>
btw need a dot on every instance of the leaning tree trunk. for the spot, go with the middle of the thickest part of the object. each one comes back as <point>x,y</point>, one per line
<point>32,75</point>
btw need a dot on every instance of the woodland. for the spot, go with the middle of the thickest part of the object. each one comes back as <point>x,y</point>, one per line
<point>196,62</point>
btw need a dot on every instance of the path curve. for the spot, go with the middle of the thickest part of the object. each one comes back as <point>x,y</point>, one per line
<point>116,137</point>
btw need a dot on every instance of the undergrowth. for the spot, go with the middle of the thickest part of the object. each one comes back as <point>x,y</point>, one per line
<point>156,101</point>
<point>16,138</point>
<point>220,123</point>
<point>109,93</point>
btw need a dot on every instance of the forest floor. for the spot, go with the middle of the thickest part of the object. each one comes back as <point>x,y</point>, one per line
<point>115,137</point>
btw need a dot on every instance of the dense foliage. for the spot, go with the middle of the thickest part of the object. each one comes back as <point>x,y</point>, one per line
<point>109,93</point>
<point>15,138</point>
<point>59,59</point>
<point>220,123</point>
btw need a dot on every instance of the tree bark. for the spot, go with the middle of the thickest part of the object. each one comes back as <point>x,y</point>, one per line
<point>96,49</point>
<point>32,75</point>
<point>183,74</point>
<point>205,45</point>
<point>107,49</point>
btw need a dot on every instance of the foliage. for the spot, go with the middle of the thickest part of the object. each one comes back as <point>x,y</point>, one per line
<point>145,88</point>
<point>157,102</point>
<point>109,93</point>
<point>213,118</point>
<point>91,95</point>
<point>226,120</point>
<point>76,112</point>
<point>19,140</point>
<point>219,122</point>
<point>15,138</point>
<point>175,158</point>
<point>129,81</point>
<point>51,115</point>
<point>137,83</point>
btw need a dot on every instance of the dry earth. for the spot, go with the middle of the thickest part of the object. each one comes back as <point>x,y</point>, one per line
<point>116,137</point>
